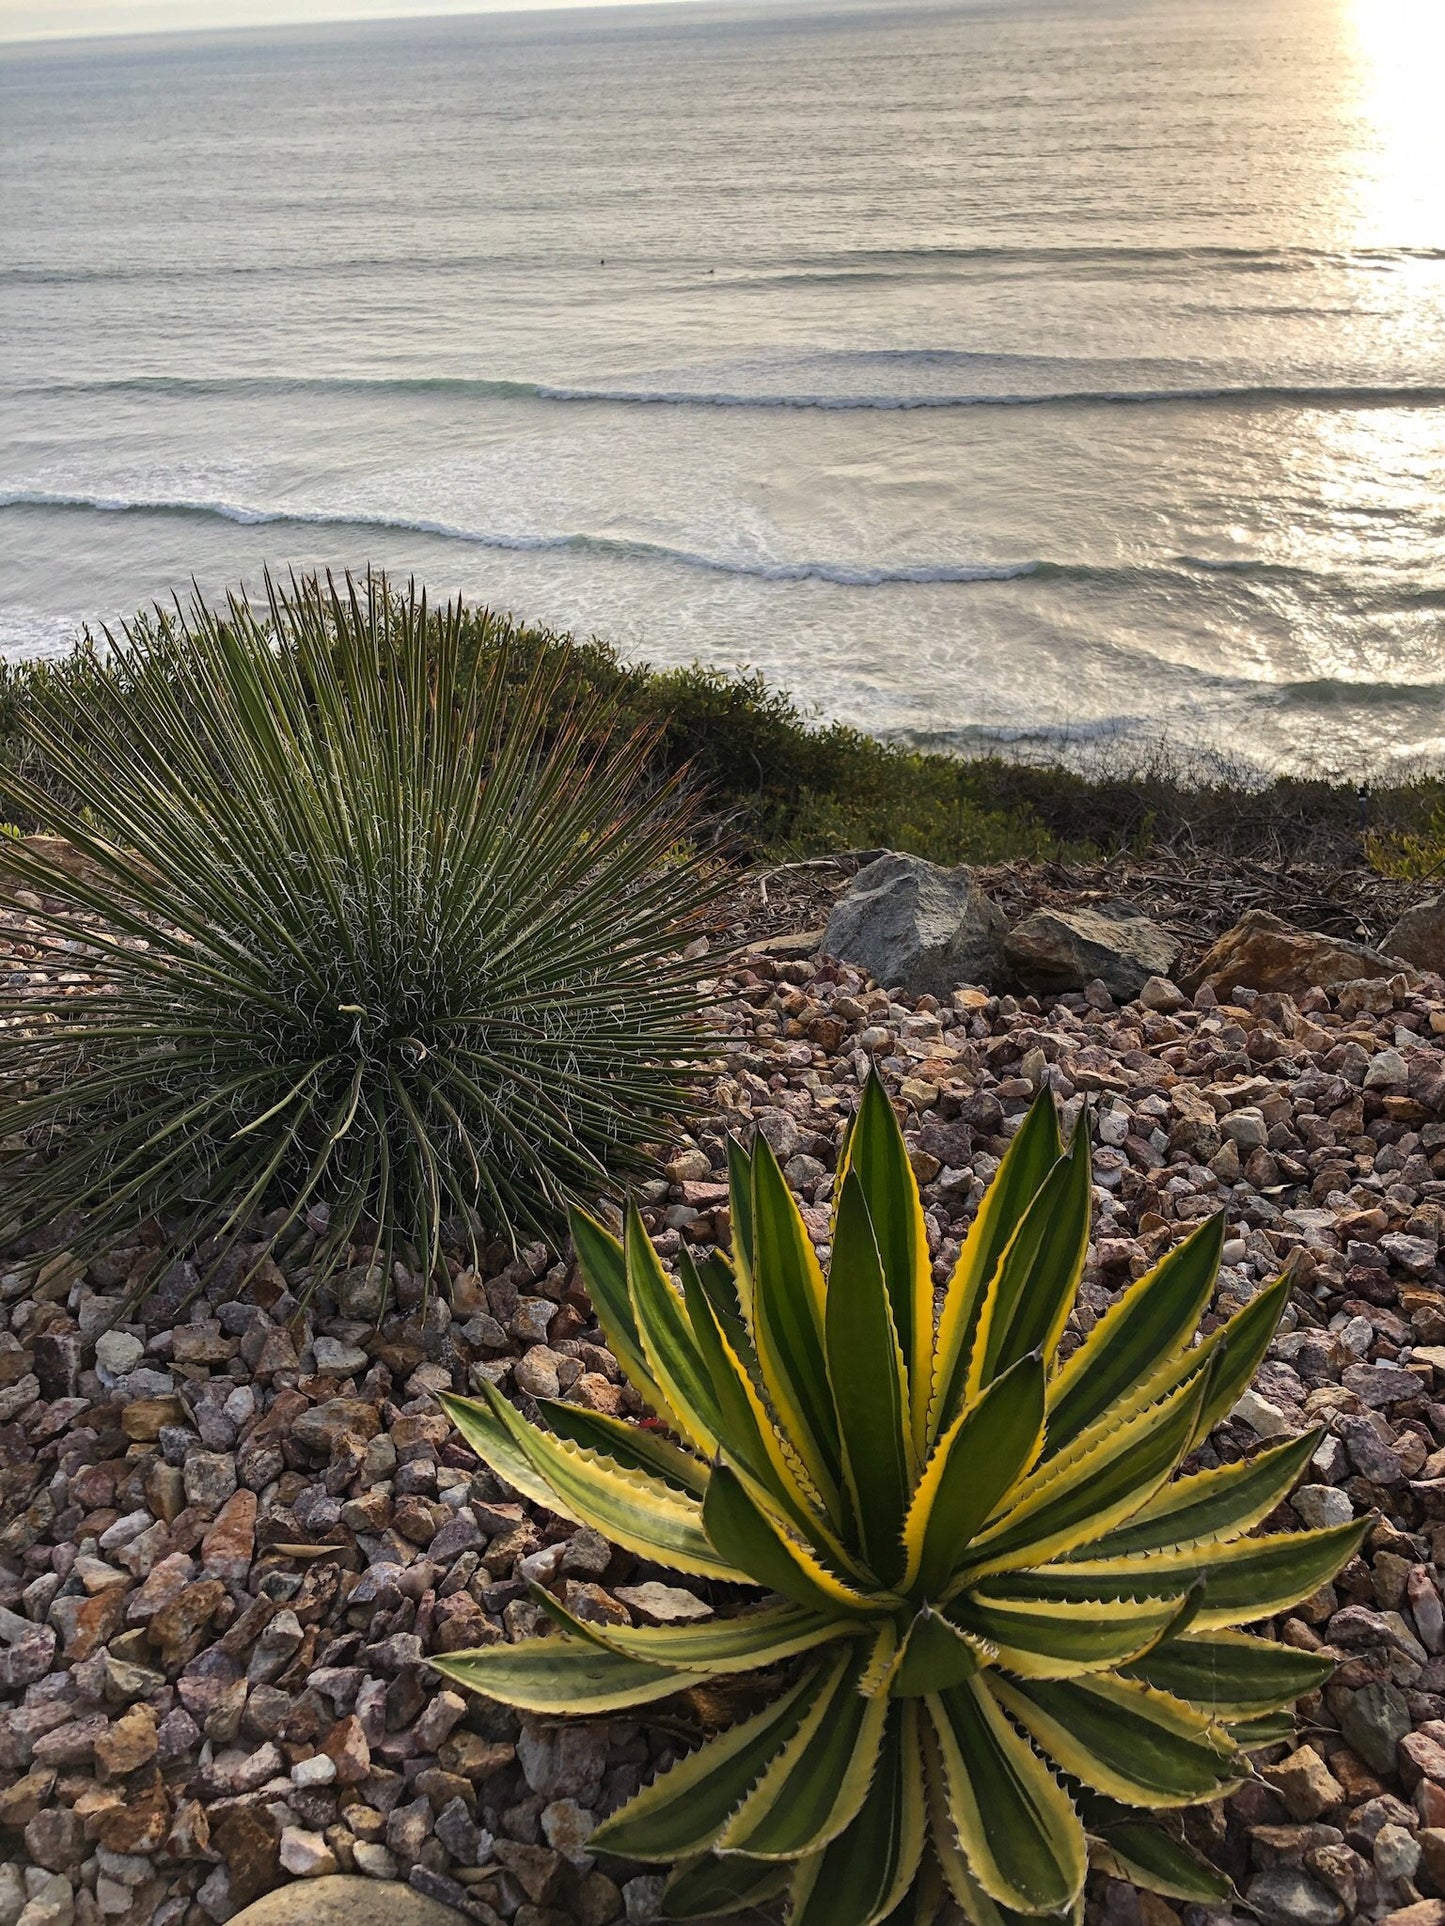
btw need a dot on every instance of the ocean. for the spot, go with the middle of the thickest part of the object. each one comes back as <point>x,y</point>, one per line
<point>1038,373</point>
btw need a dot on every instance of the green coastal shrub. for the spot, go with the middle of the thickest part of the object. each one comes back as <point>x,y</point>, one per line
<point>392,933</point>
<point>1004,1631</point>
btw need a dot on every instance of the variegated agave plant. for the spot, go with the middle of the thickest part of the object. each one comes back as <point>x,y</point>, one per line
<point>1000,1626</point>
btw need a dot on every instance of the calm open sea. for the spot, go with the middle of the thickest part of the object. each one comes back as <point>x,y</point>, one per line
<point>973,370</point>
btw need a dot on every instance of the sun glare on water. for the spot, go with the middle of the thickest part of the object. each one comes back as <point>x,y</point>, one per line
<point>1399,57</point>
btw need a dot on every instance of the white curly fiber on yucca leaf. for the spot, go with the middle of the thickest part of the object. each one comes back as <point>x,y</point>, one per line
<point>1006,1629</point>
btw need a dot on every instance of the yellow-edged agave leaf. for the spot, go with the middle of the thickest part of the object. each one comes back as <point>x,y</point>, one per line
<point>563,1675</point>
<point>604,1270</point>
<point>1242,1342</point>
<point>761,1546</point>
<point>1031,1155</point>
<point>1123,1738</point>
<point>1230,1674</point>
<point>684,1809</point>
<point>1212,1504</point>
<point>667,1340</point>
<point>495,1445</point>
<point>882,1663</point>
<point>982,1455</point>
<point>626,1444</point>
<point>1270,1728</point>
<point>877,1158</point>
<point>703,1888</point>
<point>788,1297</point>
<point>1054,1639</point>
<point>868,1870</point>
<point>1139,1850</point>
<point>1032,1292</point>
<point>1015,1824</point>
<point>742,1644</point>
<point>870,1382</point>
<point>745,1423</point>
<point>1243,1578</point>
<point>978,1907</point>
<point>1072,1498</point>
<point>1154,1318</point>
<point>740,1216</point>
<point>815,1785</point>
<point>936,1654</point>
<point>636,1511</point>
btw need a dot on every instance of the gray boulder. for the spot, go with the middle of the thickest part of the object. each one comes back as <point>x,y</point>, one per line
<point>1055,950</point>
<point>1419,936</point>
<point>336,1900</point>
<point>916,927</point>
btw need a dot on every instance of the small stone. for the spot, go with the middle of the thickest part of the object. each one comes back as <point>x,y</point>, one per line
<point>1395,1853</point>
<point>230,1545</point>
<point>1322,1505</point>
<point>1287,1897</point>
<point>373,1860</point>
<point>55,1839</point>
<point>210,1478</point>
<point>306,1853</point>
<point>338,1360</point>
<point>1306,1784</point>
<point>1374,1720</point>
<point>128,1744</point>
<point>318,1770</point>
<point>657,1604</point>
<point>117,1352</point>
<point>1264,1419</point>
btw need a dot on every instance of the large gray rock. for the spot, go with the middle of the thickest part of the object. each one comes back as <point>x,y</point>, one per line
<point>336,1900</point>
<point>1419,936</point>
<point>1054,950</point>
<point>916,927</point>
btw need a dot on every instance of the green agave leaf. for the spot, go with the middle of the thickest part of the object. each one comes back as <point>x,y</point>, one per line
<point>788,1301</point>
<point>746,1643</point>
<point>744,1423</point>
<point>867,1871</point>
<point>1032,1153</point>
<point>957,1876</point>
<point>761,1545</point>
<point>562,1675</point>
<point>1033,1289</point>
<point>1271,1728</point>
<point>1243,1340</point>
<point>705,1887</point>
<point>1244,1579</point>
<point>627,1444</point>
<point>604,1271</point>
<point>636,1511</point>
<point>1229,1673</point>
<point>815,1786</point>
<point>1210,1504</point>
<point>869,1380</point>
<point>1071,1498</point>
<point>1019,1835</point>
<point>878,1157</point>
<point>1055,1640</point>
<point>937,1654</point>
<point>975,1463</point>
<point>1156,1316</point>
<point>684,1809</point>
<point>740,1212</point>
<point>667,1339</point>
<point>1123,1738</point>
<point>1147,1856</point>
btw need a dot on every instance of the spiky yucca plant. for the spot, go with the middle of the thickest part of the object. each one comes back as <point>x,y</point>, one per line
<point>987,1574</point>
<point>389,927</point>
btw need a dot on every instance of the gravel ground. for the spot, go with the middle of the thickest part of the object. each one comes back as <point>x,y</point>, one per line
<point>230,1535</point>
